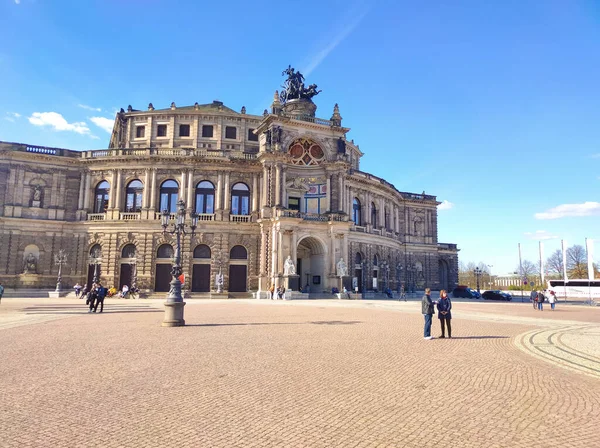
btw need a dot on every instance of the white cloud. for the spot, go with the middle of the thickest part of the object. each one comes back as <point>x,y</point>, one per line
<point>351,21</point>
<point>18,2</point>
<point>94,137</point>
<point>565,210</point>
<point>95,109</point>
<point>104,123</point>
<point>10,116</point>
<point>541,235</point>
<point>445,205</point>
<point>57,122</point>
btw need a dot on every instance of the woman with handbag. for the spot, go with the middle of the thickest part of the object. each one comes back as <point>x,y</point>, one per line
<point>444,314</point>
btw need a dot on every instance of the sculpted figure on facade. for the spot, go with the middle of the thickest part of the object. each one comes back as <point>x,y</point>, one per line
<point>30,264</point>
<point>342,269</point>
<point>289,268</point>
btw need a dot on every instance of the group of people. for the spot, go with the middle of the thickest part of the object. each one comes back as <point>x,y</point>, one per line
<point>94,297</point>
<point>444,307</point>
<point>280,292</point>
<point>539,297</point>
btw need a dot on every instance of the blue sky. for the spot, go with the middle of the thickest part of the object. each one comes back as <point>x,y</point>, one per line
<point>492,106</point>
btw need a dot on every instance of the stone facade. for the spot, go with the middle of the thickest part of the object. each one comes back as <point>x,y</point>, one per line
<point>265,188</point>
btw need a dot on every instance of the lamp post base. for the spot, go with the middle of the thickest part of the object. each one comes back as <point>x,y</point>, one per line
<point>173,315</point>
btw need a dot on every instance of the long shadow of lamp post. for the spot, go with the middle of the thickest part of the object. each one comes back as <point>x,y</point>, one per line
<point>174,304</point>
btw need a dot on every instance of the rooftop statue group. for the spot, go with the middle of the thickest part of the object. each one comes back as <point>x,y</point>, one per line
<point>293,87</point>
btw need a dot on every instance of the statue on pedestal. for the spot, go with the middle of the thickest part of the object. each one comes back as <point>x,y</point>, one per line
<point>30,265</point>
<point>288,267</point>
<point>342,269</point>
<point>219,282</point>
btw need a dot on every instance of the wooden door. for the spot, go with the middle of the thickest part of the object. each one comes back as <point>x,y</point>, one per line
<point>163,278</point>
<point>125,275</point>
<point>237,278</point>
<point>201,278</point>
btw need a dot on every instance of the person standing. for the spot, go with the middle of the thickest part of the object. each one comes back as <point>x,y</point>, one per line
<point>533,296</point>
<point>444,307</point>
<point>1,292</point>
<point>100,295</point>
<point>540,300</point>
<point>77,288</point>
<point>427,310</point>
<point>552,299</point>
<point>92,296</point>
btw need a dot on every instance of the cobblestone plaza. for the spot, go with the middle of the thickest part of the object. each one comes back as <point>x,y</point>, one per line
<point>261,373</point>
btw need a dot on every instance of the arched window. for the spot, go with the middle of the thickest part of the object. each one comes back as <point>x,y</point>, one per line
<point>101,197</point>
<point>373,215</point>
<point>169,190</point>
<point>375,260</point>
<point>134,191</point>
<point>238,253</point>
<point>96,251</point>
<point>240,199</point>
<point>358,258</point>
<point>128,251</point>
<point>205,197</point>
<point>165,251</point>
<point>356,212</point>
<point>202,251</point>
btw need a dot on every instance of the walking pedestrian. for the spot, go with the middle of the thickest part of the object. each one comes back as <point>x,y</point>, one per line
<point>92,296</point>
<point>533,297</point>
<point>272,291</point>
<point>552,299</point>
<point>444,307</point>
<point>100,295</point>
<point>427,310</point>
<point>1,292</point>
<point>540,300</point>
<point>84,293</point>
<point>77,289</point>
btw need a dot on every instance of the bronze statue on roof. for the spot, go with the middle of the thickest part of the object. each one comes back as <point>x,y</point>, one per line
<point>293,87</point>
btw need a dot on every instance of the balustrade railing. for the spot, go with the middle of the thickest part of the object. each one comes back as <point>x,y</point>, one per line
<point>206,216</point>
<point>96,216</point>
<point>240,218</point>
<point>140,152</point>
<point>129,216</point>
<point>326,217</point>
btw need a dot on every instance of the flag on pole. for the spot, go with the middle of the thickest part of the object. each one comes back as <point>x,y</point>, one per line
<point>564,260</point>
<point>589,248</point>
<point>542,262</point>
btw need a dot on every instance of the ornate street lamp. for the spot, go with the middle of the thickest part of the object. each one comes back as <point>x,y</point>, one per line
<point>386,271</point>
<point>60,258</point>
<point>174,304</point>
<point>363,274</point>
<point>478,272</point>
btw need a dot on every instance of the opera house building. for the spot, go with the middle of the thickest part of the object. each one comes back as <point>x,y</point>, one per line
<point>279,199</point>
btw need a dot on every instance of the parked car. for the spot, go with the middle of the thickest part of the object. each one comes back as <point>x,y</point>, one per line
<point>496,295</point>
<point>465,292</point>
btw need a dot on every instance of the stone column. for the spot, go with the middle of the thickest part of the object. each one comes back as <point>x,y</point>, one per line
<point>182,186</point>
<point>118,194</point>
<point>219,191</point>
<point>146,193</point>
<point>382,213</point>
<point>295,249</point>
<point>265,187</point>
<point>328,197</point>
<point>111,193</point>
<point>86,190</point>
<point>254,193</point>
<point>341,192</point>
<point>283,190</point>
<point>277,185</point>
<point>190,190</point>
<point>153,193</point>
<point>81,190</point>
<point>226,192</point>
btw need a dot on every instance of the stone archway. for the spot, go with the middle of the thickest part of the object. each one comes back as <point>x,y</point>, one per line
<point>312,264</point>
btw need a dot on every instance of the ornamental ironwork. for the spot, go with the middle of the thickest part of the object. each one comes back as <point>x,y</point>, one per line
<point>306,152</point>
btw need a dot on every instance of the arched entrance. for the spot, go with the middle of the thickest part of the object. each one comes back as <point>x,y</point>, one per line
<point>164,260</point>
<point>238,269</point>
<point>127,272</point>
<point>311,264</point>
<point>443,272</point>
<point>201,269</point>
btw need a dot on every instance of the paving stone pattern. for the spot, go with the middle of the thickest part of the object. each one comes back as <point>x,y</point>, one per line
<point>285,374</point>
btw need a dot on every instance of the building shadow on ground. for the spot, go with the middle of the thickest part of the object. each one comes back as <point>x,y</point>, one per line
<point>332,322</point>
<point>83,309</point>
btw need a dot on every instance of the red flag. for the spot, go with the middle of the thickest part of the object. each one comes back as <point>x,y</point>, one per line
<point>182,278</point>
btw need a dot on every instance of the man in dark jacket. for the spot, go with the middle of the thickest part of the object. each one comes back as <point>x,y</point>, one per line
<point>427,310</point>
<point>533,297</point>
<point>100,295</point>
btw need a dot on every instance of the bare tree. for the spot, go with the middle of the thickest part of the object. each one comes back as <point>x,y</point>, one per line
<point>577,262</point>
<point>554,263</point>
<point>528,269</point>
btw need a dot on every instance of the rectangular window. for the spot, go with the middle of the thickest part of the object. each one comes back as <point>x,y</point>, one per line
<point>184,130</point>
<point>161,130</point>
<point>207,131</point>
<point>294,204</point>
<point>252,136</point>
<point>230,132</point>
<point>140,131</point>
